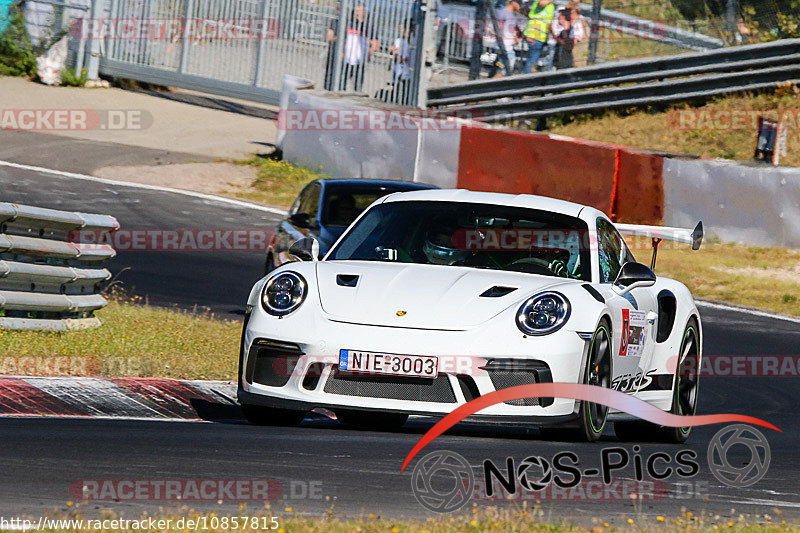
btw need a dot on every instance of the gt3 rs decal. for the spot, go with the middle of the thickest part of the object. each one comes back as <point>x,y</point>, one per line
<point>633,333</point>
<point>631,382</point>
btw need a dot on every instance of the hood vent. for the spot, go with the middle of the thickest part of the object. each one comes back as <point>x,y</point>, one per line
<point>347,280</point>
<point>497,291</point>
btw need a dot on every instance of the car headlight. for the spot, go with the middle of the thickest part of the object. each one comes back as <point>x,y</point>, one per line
<point>543,313</point>
<point>284,293</point>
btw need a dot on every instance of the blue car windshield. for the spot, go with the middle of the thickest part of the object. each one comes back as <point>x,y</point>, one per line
<point>474,235</point>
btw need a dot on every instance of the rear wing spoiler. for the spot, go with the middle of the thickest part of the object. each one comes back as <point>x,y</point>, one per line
<point>664,233</point>
<point>685,236</point>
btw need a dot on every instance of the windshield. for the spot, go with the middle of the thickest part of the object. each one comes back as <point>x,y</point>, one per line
<point>465,234</point>
<point>343,204</point>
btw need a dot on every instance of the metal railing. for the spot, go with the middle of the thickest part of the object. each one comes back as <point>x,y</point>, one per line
<point>242,48</point>
<point>47,282</point>
<point>647,82</point>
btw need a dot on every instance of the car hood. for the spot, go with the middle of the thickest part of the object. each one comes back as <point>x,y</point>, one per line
<point>420,296</point>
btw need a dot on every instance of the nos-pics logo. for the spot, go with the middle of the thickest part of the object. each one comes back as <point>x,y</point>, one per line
<point>443,481</point>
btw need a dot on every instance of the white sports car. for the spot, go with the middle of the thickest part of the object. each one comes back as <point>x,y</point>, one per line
<point>431,299</point>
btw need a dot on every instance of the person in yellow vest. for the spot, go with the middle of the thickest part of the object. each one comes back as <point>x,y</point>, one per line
<point>537,32</point>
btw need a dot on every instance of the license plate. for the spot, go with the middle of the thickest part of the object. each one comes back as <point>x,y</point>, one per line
<point>423,366</point>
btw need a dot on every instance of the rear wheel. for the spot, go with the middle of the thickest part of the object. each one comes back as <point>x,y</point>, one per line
<point>371,420</point>
<point>268,416</point>
<point>598,373</point>
<point>685,387</point>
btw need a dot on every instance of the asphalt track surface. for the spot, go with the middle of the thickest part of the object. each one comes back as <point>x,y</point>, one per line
<point>358,471</point>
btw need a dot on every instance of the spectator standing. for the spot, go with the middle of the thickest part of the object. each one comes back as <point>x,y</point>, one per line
<point>565,32</point>
<point>580,52</point>
<point>402,53</point>
<point>509,23</point>
<point>360,42</point>
<point>537,32</point>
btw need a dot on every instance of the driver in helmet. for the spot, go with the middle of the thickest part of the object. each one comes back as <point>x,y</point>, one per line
<point>439,247</point>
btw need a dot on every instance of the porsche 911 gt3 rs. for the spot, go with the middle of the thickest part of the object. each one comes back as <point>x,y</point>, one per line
<point>431,299</point>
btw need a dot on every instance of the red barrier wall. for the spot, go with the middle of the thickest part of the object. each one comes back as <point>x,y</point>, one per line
<point>570,169</point>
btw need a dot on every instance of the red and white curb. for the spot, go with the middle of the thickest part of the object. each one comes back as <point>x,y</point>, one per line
<point>144,398</point>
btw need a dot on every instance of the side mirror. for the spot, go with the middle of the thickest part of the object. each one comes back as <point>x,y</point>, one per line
<point>306,249</point>
<point>631,276</point>
<point>302,220</point>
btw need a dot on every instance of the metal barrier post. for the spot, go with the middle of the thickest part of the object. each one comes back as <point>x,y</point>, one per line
<point>185,38</point>
<point>424,61</point>
<point>81,49</point>
<point>262,46</point>
<point>341,35</point>
<point>94,42</point>
<point>479,27</point>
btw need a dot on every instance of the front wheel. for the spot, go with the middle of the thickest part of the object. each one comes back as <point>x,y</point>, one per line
<point>268,416</point>
<point>598,373</point>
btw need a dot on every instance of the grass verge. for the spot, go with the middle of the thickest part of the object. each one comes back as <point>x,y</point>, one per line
<point>766,278</point>
<point>277,182</point>
<point>135,341</point>
<point>703,132</point>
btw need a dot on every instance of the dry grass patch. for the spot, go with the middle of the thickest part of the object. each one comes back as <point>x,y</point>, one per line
<point>135,340</point>
<point>767,278</point>
<point>277,182</point>
<point>656,130</point>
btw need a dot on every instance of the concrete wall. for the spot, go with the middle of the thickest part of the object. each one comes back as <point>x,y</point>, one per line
<point>422,150</point>
<point>758,205</point>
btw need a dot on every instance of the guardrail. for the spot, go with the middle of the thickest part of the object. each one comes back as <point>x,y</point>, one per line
<point>47,282</point>
<point>626,84</point>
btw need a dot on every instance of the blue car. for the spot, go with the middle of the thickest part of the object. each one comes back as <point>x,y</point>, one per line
<point>324,209</point>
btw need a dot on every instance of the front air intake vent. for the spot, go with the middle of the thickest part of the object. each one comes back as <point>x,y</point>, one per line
<point>347,280</point>
<point>497,291</point>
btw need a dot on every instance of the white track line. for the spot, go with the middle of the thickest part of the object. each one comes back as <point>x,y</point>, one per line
<point>754,312</point>
<point>222,199</point>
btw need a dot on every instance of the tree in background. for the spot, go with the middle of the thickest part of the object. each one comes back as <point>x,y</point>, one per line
<point>17,56</point>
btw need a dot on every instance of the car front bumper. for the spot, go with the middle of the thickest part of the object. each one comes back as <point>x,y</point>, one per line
<point>294,364</point>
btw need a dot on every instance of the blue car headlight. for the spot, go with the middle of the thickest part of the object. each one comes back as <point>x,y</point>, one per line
<point>543,313</point>
<point>283,293</point>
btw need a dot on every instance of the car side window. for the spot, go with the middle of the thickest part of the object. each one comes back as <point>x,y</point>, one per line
<point>611,251</point>
<point>309,200</point>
